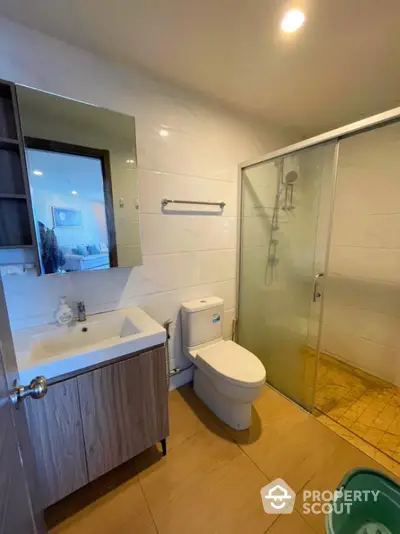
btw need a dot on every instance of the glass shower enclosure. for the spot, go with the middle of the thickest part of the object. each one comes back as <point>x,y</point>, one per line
<point>286,206</point>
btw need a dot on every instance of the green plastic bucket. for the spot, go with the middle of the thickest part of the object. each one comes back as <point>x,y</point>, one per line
<point>366,516</point>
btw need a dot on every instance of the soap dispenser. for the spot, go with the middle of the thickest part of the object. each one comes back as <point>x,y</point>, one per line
<point>64,314</point>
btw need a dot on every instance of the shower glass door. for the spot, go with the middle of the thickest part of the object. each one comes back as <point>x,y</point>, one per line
<point>285,220</point>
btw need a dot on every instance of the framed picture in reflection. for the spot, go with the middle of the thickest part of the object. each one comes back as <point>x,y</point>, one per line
<point>67,217</point>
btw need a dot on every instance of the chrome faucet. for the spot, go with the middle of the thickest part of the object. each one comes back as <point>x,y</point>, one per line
<point>81,311</point>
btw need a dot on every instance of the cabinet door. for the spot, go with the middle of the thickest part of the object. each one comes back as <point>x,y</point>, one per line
<point>124,409</point>
<point>55,428</point>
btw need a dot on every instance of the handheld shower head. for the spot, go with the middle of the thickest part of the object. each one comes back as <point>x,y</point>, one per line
<point>291,177</point>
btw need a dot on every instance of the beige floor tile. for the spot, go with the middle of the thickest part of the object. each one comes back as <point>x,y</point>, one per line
<point>329,476</point>
<point>373,405</point>
<point>346,422</point>
<point>359,407</point>
<point>294,455</point>
<point>345,433</point>
<point>359,429</point>
<point>210,480</point>
<point>272,415</point>
<point>187,415</point>
<point>219,493</point>
<point>354,396</point>
<point>391,412</point>
<point>337,412</point>
<point>381,423</point>
<point>395,400</point>
<point>272,406</point>
<point>395,427</point>
<point>377,406</point>
<point>389,442</point>
<point>384,460</point>
<point>322,418</point>
<point>352,438</point>
<point>368,417</point>
<point>373,436</point>
<point>110,504</point>
<point>370,451</point>
<point>290,524</point>
<point>344,403</point>
<point>395,468</point>
<point>350,415</point>
<point>333,425</point>
<point>183,467</point>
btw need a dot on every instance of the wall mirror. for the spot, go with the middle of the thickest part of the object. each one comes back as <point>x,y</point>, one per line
<point>81,162</point>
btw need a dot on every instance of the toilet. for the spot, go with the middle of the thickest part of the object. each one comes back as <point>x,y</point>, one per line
<point>227,377</point>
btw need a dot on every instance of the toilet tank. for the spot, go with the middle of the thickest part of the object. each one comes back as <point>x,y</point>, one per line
<point>202,321</point>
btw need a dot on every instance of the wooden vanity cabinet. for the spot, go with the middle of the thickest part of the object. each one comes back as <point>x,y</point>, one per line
<point>55,427</point>
<point>89,424</point>
<point>124,410</point>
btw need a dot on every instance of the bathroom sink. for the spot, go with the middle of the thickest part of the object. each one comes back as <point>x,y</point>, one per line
<point>53,350</point>
<point>82,335</point>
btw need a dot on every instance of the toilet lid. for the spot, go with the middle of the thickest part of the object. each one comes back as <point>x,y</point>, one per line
<point>232,362</point>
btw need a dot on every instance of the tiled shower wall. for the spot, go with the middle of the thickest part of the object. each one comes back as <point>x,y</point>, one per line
<point>185,256</point>
<point>362,297</point>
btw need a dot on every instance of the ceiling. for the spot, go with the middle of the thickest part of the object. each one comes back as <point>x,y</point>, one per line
<point>342,65</point>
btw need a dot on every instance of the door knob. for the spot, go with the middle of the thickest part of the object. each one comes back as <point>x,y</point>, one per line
<point>36,389</point>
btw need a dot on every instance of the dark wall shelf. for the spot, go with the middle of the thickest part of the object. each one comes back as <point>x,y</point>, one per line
<point>13,247</point>
<point>9,144</point>
<point>11,177</point>
<point>12,195</point>
<point>8,123</point>
<point>14,223</point>
<point>16,218</point>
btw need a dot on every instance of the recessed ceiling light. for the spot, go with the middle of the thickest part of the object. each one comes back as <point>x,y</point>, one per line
<point>163,132</point>
<point>292,20</point>
<point>74,192</point>
<point>130,161</point>
<point>37,173</point>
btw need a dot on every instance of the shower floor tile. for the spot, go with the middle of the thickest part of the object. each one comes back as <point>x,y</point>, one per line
<point>363,409</point>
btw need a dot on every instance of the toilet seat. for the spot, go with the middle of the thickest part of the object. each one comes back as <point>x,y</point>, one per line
<point>226,360</point>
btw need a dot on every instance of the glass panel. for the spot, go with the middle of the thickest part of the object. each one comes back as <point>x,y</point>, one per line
<point>359,370</point>
<point>285,221</point>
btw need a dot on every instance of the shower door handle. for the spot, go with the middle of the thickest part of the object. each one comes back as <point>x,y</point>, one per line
<point>316,294</point>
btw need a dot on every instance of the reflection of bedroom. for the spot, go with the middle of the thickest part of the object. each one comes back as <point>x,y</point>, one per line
<point>68,199</point>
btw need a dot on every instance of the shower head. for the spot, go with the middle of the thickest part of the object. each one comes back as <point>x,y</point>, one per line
<point>291,177</point>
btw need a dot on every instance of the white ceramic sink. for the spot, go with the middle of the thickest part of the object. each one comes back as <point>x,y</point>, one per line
<point>82,335</point>
<point>53,351</point>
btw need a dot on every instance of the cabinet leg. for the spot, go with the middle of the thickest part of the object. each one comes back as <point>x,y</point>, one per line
<point>164,446</point>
